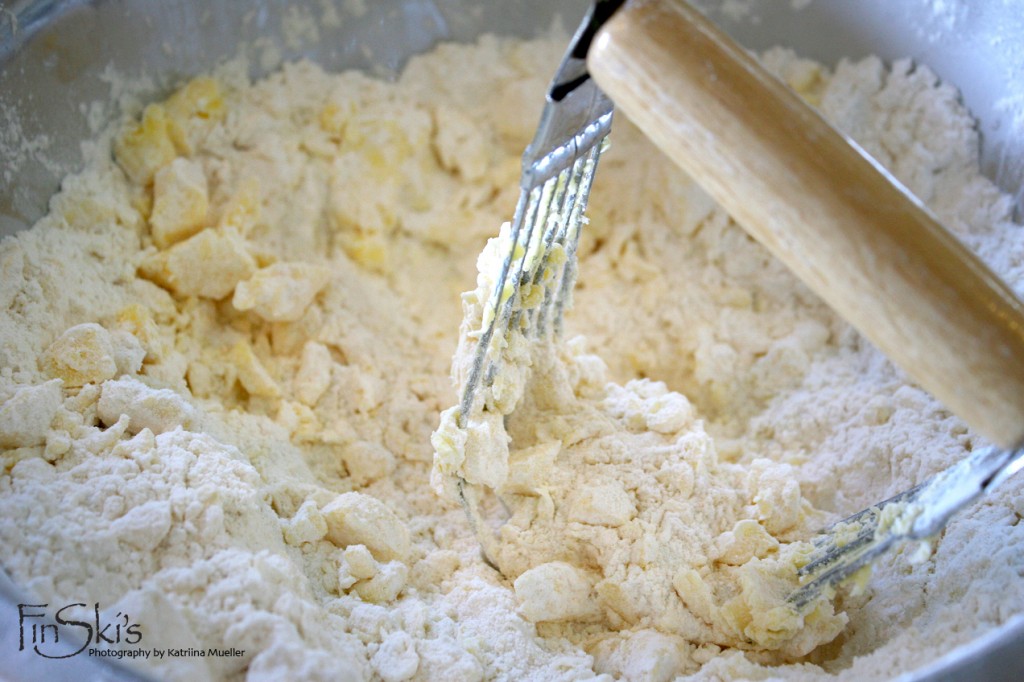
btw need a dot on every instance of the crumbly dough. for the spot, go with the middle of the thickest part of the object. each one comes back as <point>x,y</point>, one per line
<point>616,509</point>
<point>224,350</point>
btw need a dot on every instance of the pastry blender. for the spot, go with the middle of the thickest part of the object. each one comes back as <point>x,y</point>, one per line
<point>820,204</point>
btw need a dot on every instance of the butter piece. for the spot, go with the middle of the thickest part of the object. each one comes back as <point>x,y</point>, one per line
<point>84,354</point>
<point>180,202</point>
<point>282,291</point>
<point>358,519</point>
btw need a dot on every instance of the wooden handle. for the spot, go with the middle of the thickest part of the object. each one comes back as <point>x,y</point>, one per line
<point>832,214</point>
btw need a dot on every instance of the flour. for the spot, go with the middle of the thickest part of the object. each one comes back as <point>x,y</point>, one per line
<point>225,349</point>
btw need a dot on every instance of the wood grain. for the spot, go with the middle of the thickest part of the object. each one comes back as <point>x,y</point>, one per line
<point>833,215</point>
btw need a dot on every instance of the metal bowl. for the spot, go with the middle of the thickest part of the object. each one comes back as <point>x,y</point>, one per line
<point>54,54</point>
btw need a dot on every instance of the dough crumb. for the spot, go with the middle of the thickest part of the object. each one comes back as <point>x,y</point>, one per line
<point>282,291</point>
<point>180,202</point>
<point>555,591</point>
<point>358,519</point>
<point>84,354</point>
<point>158,410</point>
<point>25,417</point>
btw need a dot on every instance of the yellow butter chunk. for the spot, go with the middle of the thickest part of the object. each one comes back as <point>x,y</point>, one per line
<point>84,354</point>
<point>333,118</point>
<point>747,539</point>
<point>385,143</point>
<point>146,147</point>
<point>358,519</point>
<point>531,296</point>
<point>282,291</point>
<point>138,321</point>
<point>253,376</point>
<point>193,111</point>
<point>449,442</point>
<point>242,209</point>
<point>208,265</point>
<point>363,214</point>
<point>369,250</point>
<point>314,375</point>
<point>179,202</point>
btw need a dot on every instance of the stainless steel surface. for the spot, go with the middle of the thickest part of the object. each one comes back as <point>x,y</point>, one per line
<point>996,656</point>
<point>53,54</point>
<point>577,115</point>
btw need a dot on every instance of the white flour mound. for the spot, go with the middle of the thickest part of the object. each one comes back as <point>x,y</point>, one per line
<point>223,355</point>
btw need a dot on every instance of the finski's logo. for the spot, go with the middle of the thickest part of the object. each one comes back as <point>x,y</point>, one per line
<point>39,633</point>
